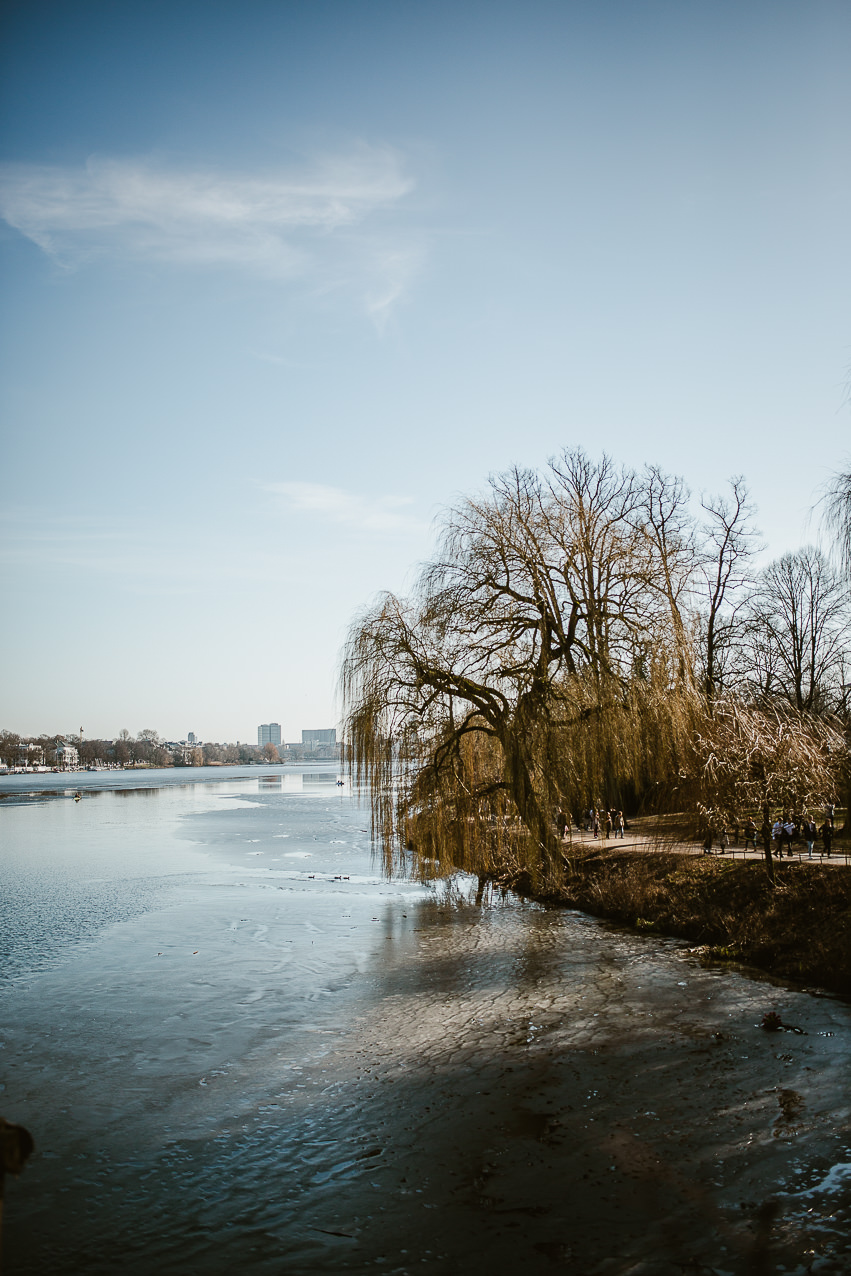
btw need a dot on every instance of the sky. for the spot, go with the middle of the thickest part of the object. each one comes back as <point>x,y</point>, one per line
<point>282,281</point>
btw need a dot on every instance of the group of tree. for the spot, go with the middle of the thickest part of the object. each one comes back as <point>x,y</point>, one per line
<point>146,749</point>
<point>586,635</point>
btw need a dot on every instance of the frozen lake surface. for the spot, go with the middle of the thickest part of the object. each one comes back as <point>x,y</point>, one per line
<point>239,1048</point>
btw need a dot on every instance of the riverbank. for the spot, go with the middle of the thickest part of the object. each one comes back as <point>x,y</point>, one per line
<point>799,928</point>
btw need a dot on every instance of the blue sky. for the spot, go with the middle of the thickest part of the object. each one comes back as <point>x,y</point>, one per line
<point>281,280</point>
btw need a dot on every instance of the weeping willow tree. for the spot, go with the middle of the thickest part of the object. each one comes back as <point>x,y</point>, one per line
<point>543,659</point>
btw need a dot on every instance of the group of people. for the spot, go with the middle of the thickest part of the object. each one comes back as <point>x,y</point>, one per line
<point>786,829</point>
<point>600,822</point>
<point>792,828</point>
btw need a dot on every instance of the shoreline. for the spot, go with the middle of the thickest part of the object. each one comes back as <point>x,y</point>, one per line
<point>798,929</point>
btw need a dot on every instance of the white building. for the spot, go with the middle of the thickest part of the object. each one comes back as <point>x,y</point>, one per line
<point>67,755</point>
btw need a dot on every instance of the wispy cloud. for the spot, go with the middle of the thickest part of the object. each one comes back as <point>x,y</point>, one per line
<point>369,514</point>
<point>266,223</point>
<point>394,270</point>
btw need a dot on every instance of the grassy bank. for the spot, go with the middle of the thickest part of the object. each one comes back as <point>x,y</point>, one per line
<point>799,928</point>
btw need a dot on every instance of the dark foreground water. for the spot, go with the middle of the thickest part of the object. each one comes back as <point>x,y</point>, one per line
<point>239,1049</point>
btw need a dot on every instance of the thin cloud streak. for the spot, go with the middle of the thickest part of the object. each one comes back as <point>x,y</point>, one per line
<point>369,514</point>
<point>394,270</point>
<point>198,217</point>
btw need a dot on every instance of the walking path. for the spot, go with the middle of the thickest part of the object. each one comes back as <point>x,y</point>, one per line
<point>636,840</point>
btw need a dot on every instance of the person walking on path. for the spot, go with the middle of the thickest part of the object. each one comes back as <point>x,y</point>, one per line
<point>595,823</point>
<point>619,824</point>
<point>750,833</point>
<point>723,840</point>
<point>607,826</point>
<point>561,824</point>
<point>826,831</point>
<point>810,834</point>
<point>789,834</point>
<point>777,838</point>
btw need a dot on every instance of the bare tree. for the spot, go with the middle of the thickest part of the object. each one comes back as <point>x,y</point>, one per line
<point>729,541</point>
<point>665,520</point>
<point>799,625</point>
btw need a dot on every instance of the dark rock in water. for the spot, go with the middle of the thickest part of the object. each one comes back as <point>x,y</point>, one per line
<point>17,1144</point>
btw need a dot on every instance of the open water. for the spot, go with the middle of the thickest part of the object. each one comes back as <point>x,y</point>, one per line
<point>239,1048</point>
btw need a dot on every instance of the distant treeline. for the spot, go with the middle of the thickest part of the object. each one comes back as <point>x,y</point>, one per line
<point>145,749</point>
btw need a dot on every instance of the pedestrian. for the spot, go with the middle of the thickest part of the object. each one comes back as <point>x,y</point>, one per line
<point>810,834</point>
<point>707,842</point>
<point>619,824</point>
<point>723,839</point>
<point>561,824</point>
<point>826,832</point>
<point>777,837</point>
<point>607,825</point>
<point>789,832</point>
<point>750,832</point>
<point>595,823</point>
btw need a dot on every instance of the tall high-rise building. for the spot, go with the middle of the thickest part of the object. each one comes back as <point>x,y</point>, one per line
<point>269,733</point>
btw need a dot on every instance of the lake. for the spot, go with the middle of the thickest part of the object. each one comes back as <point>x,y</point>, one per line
<point>239,1047</point>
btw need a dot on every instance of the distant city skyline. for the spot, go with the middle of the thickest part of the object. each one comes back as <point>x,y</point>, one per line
<point>281,280</point>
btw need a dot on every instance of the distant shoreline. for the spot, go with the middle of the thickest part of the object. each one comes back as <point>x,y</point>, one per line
<point>153,777</point>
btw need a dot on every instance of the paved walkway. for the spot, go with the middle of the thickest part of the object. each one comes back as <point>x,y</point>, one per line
<point>635,840</point>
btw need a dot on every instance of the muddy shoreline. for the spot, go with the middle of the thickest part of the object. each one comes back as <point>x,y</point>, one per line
<point>797,929</point>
